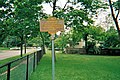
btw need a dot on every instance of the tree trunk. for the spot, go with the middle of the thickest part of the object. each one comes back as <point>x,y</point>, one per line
<point>25,44</point>
<point>86,44</point>
<point>54,7</point>
<point>43,42</point>
<point>21,49</point>
<point>54,56</point>
<point>21,46</point>
<point>62,50</point>
<point>7,45</point>
<point>115,17</point>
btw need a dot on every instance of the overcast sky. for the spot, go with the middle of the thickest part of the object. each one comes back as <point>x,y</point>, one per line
<point>47,8</point>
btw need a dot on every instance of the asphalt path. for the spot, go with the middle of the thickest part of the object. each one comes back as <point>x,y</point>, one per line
<point>10,53</point>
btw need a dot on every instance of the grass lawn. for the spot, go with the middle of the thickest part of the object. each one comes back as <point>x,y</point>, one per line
<point>18,68</point>
<point>2,62</point>
<point>79,67</point>
<point>3,48</point>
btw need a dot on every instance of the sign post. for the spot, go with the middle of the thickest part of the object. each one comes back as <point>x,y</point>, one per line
<point>52,25</point>
<point>53,58</point>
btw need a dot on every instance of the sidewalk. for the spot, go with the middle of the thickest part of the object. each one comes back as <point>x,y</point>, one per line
<point>10,53</point>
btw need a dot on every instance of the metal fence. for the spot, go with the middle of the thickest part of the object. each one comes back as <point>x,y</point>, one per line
<point>20,69</point>
<point>110,51</point>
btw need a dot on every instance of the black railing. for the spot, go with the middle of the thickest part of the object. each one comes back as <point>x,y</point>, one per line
<point>20,69</point>
<point>110,51</point>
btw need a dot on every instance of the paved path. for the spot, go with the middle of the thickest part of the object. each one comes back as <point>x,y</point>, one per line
<point>10,53</point>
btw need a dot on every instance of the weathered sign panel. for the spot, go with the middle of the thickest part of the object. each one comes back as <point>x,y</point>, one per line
<point>51,25</point>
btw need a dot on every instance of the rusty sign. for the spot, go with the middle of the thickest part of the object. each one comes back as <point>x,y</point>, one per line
<point>51,25</point>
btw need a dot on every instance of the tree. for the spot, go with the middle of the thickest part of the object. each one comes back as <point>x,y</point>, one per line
<point>11,41</point>
<point>6,10</point>
<point>115,16</point>
<point>111,40</point>
<point>62,41</point>
<point>78,15</point>
<point>25,25</point>
<point>19,20</point>
<point>36,41</point>
<point>95,35</point>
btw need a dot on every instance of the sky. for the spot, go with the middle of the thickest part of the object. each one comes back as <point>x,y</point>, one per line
<point>47,8</point>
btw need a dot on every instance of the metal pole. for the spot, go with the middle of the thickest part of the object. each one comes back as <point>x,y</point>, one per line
<point>34,62</point>
<point>53,62</point>
<point>8,71</point>
<point>27,67</point>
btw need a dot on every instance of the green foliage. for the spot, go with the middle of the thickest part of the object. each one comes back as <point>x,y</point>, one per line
<point>74,37</point>
<point>62,41</point>
<point>11,41</point>
<point>92,5</point>
<point>68,39</point>
<point>26,23</point>
<point>116,5</point>
<point>20,18</point>
<point>94,35</point>
<point>97,35</point>
<point>35,41</point>
<point>112,39</point>
<point>80,18</point>
<point>95,32</point>
<point>38,40</point>
<point>5,13</point>
<point>4,48</point>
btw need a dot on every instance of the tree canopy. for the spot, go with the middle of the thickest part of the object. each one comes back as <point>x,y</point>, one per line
<point>19,20</point>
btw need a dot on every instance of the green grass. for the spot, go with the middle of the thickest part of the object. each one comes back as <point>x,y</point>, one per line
<point>79,67</point>
<point>18,71</point>
<point>4,48</point>
<point>2,62</point>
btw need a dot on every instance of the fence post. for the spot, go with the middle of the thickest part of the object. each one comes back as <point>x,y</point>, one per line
<point>8,71</point>
<point>34,62</point>
<point>41,54</point>
<point>27,67</point>
<point>37,57</point>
